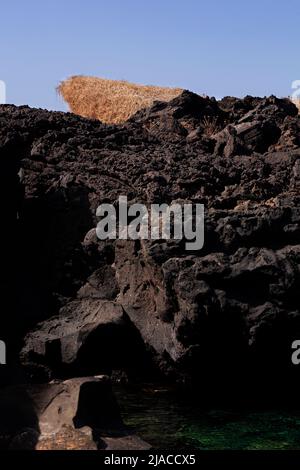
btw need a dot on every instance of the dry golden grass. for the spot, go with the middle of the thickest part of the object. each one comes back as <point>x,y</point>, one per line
<point>110,101</point>
<point>210,125</point>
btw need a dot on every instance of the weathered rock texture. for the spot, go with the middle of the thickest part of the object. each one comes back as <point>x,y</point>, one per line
<point>78,414</point>
<point>223,317</point>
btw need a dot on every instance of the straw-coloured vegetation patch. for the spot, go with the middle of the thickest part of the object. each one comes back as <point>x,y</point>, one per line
<point>110,101</point>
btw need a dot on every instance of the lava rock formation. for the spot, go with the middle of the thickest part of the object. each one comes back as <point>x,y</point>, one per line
<point>223,318</point>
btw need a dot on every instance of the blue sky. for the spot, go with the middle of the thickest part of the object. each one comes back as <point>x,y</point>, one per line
<point>217,47</point>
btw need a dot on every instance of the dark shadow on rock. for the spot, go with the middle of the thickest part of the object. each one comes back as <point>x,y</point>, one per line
<point>98,408</point>
<point>115,347</point>
<point>51,263</point>
<point>19,424</point>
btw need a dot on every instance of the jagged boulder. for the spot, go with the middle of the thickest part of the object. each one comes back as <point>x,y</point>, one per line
<point>89,335</point>
<point>44,410</point>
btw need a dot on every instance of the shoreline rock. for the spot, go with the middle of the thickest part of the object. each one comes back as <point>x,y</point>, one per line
<point>79,413</point>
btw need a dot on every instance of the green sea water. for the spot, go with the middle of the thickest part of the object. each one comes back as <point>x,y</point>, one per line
<point>166,420</point>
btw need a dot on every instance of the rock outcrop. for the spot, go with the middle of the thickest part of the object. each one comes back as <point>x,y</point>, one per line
<point>224,317</point>
<point>63,415</point>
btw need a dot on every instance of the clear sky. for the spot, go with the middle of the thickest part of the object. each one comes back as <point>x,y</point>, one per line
<point>217,47</point>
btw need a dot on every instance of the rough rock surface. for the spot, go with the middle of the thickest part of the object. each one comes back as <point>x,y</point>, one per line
<point>223,317</point>
<point>88,335</point>
<point>77,414</point>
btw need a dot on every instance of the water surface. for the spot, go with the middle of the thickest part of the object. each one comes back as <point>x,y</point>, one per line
<point>169,420</point>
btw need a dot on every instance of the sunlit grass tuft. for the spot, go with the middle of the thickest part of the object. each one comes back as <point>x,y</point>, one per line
<point>110,101</point>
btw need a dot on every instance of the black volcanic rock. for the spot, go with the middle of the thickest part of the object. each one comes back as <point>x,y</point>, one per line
<point>226,314</point>
<point>256,130</point>
<point>88,336</point>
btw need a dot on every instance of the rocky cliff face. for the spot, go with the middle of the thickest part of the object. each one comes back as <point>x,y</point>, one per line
<point>224,317</point>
